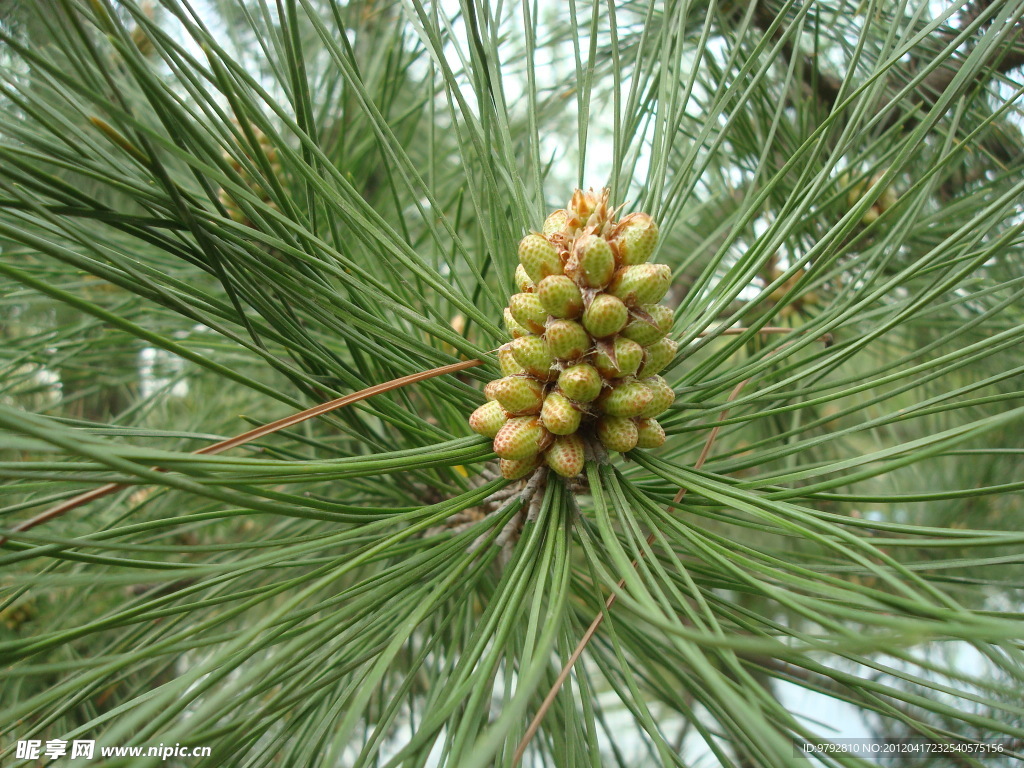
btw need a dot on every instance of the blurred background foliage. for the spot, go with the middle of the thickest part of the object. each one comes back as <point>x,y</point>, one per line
<point>214,214</point>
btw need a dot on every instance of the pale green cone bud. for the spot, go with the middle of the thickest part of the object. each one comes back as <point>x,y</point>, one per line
<point>519,394</point>
<point>856,192</point>
<point>888,199</point>
<point>635,237</point>
<point>662,397</point>
<point>528,312</point>
<point>507,361</point>
<point>581,383</point>
<point>490,389</point>
<point>560,296</point>
<point>605,315</point>
<point>628,399</point>
<point>532,353</point>
<point>882,203</point>
<point>657,357</point>
<point>566,455</point>
<point>595,261</point>
<point>556,222</point>
<point>523,281</point>
<point>513,470</point>
<point>488,419</point>
<point>566,339</point>
<point>539,258</point>
<point>514,328</point>
<point>559,416</point>
<point>520,438</point>
<point>650,323</point>
<point>650,434</point>
<point>616,433</point>
<point>618,358</point>
<point>641,284</point>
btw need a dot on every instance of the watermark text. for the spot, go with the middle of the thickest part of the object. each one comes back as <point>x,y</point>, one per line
<point>54,749</point>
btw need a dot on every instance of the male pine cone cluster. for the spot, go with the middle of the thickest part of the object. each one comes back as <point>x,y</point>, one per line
<point>589,340</point>
<point>255,185</point>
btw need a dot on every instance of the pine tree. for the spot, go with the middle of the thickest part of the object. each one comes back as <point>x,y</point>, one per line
<point>217,215</point>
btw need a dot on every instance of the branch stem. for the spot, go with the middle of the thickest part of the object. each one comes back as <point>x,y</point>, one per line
<point>253,434</point>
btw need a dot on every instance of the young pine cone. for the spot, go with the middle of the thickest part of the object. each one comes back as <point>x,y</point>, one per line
<point>589,340</point>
